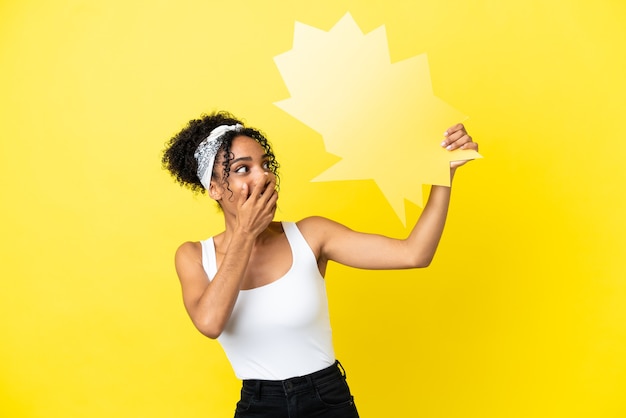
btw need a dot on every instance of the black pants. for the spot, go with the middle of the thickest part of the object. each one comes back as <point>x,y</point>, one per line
<point>324,393</point>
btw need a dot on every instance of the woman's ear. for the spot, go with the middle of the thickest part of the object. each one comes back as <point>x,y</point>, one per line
<point>215,191</point>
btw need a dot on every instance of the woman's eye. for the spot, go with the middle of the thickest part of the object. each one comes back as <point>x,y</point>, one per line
<point>266,165</point>
<point>242,169</point>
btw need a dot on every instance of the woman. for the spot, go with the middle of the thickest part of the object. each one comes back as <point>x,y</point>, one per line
<point>258,286</point>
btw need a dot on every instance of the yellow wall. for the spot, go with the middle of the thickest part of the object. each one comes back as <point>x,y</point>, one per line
<point>523,313</point>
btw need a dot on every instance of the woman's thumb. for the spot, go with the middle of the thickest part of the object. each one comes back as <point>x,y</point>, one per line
<point>243,194</point>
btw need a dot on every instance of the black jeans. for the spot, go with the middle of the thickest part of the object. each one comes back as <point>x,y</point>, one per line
<point>324,393</point>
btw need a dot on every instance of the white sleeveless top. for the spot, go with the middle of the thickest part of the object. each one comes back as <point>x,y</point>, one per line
<point>282,329</point>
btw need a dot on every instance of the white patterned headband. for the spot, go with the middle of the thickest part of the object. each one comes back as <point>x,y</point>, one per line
<point>207,150</point>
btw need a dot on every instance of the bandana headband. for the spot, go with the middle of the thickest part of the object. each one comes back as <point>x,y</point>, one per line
<point>207,150</point>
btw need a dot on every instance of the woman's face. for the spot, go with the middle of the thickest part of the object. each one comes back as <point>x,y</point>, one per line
<point>249,164</point>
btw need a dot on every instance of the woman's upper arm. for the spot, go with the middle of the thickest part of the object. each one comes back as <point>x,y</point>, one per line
<point>193,279</point>
<point>333,241</point>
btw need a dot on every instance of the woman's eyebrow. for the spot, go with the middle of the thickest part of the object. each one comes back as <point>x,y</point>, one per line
<point>263,157</point>
<point>240,159</point>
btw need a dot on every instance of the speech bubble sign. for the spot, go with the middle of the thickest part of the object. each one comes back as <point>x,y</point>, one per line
<point>381,118</point>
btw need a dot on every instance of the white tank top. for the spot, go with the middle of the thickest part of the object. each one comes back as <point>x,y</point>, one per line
<point>282,329</point>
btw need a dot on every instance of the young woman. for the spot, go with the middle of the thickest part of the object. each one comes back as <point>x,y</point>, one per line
<point>258,286</point>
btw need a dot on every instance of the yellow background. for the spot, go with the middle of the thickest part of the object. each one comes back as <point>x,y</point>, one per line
<point>522,314</point>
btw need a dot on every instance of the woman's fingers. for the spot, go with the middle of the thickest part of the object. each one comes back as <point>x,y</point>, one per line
<point>261,201</point>
<point>243,194</point>
<point>457,137</point>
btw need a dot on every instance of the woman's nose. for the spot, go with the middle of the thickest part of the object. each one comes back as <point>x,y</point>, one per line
<point>261,178</point>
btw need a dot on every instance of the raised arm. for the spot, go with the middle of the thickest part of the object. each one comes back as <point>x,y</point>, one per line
<point>210,303</point>
<point>332,241</point>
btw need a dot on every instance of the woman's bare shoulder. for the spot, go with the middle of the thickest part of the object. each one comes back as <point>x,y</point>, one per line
<point>318,224</point>
<point>311,225</point>
<point>317,230</point>
<point>189,251</point>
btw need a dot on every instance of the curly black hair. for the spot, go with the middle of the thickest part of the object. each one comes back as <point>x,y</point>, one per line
<point>178,156</point>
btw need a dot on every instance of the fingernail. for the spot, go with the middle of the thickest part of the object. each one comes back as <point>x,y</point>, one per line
<point>443,144</point>
<point>449,147</point>
<point>445,133</point>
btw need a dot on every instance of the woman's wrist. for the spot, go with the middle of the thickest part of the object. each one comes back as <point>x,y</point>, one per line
<point>452,172</point>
